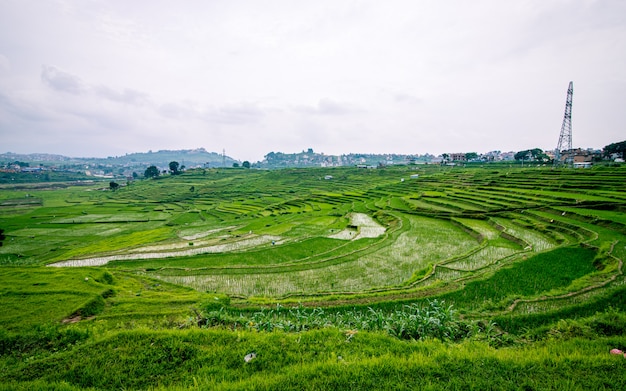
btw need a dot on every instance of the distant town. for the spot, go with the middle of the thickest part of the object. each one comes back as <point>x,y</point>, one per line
<point>132,166</point>
<point>310,158</point>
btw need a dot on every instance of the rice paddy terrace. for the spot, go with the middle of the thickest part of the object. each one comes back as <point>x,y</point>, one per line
<point>343,235</point>
<point>498,278</point>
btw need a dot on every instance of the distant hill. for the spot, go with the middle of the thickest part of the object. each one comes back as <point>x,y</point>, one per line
<point>194,158</point>
<point>188,157</point>
<point>10,157</point>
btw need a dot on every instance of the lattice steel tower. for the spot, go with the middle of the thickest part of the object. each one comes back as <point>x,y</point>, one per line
<point>563,153</point>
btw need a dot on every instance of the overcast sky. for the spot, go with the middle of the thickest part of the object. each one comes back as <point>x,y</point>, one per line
<point>103,78</point>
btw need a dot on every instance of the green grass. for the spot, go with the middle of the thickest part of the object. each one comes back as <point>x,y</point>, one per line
<point>539,274</point>
<point>322,359</point>
<point>611,215</point>
<point>34,296</point>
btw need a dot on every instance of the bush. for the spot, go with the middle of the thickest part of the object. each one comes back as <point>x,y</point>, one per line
<point>93,307</point>
<point>106,278</point>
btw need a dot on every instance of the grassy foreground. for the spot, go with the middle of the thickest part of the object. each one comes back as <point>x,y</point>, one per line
<point>314,360</point>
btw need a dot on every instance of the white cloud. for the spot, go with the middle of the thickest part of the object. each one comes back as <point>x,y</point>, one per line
<point>61,81</point>
<point>340,77</point>
<point>327,106</point>
<point>5,64</point>
<point>235,114</point>
<point>128,96</point>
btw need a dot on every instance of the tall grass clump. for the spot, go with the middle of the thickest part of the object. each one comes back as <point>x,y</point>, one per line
<point>433,319</point>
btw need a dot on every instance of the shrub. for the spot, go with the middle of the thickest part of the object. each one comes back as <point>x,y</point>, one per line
<point>106,278</point>
<point>93,307</point>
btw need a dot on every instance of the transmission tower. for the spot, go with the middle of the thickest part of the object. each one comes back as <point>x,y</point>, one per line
<point>563,153</point>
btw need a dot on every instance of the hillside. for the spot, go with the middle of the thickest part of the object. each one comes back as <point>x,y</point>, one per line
<point>190,158</point>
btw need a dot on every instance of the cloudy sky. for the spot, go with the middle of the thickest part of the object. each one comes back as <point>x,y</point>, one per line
<point>106,77</point>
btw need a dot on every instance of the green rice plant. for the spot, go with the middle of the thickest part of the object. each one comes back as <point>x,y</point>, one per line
<point>537,241</point>
<point>449,203</point>
<point>483,227</point>
<point>533,276</point>
<point>122,240</point>
<point>598,303</point>
<point>428,206</point>
<point>581,291</point>
<point>482,258</point>
<point>612,215</point>
<point>388,265</point>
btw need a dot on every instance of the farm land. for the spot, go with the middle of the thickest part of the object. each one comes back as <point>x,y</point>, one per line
<point>406,277</point>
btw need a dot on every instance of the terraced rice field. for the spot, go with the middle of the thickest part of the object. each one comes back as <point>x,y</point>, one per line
<point>292,235</point>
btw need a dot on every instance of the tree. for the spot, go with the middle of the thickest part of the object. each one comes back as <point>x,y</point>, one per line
<point>522,155</point>
<point>535,154</point>
<point>151,172</point>
<point>113,186</point>
<point>245,164</point>
<point>174,168</point>
<point>617,148</point>
<point>471,156</point>
<point>235,165</point>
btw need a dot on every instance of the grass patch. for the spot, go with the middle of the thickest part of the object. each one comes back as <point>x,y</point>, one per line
<point>540,273</point>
